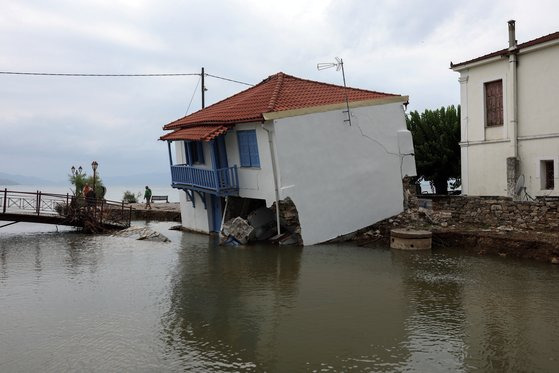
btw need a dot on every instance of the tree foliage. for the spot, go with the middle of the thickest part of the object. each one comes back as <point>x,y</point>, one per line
<point>80,179</point>
<point>436,137</point>
<point>129,197</point>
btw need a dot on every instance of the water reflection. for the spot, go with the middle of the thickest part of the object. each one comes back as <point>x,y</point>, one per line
<point>226,302</point>
<point>82,252</point>
<point>436,324</point>
<point>510,318</point>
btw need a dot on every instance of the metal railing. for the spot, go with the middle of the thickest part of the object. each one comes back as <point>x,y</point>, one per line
<point>223,181</point>
<point>74,209</point>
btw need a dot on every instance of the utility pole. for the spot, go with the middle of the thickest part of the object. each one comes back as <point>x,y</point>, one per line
<point>203,89</point>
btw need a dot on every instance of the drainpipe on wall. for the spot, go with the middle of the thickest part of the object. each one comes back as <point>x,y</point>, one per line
<point>513,161</point>
<point>274,171</point>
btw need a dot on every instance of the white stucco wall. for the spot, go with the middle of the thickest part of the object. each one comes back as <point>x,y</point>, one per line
<point>340,177</point>
<point>258,182</point>
<point>485,150</point>
<point>193,218</point>
<point>538,92</point>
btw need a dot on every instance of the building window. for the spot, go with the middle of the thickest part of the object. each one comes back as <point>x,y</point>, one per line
<point>494,103</point>
<point>547,175</point>
<point>194,151</point>
<point>248,148</point>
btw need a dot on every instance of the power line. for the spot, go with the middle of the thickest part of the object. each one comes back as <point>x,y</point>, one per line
<point>229,80</point>
<point>93,75</point>
<point>119,75</point>
<point>193,94</point>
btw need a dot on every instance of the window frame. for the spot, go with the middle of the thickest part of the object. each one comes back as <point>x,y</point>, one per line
<point>249,156</point>
<point>194,152</point>
<point>547,174</point>
<point>494,103</point>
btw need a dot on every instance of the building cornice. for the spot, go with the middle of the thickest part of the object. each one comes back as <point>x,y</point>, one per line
<point>466,144</point>
<point>537,137</point>
<point>325,108</point>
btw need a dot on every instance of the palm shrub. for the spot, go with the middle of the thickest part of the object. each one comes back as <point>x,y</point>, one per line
<point>129,197</point>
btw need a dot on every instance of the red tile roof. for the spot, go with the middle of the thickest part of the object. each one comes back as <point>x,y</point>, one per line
<point>277,93</point>
<point>504,52</point>
<point>197,133</point>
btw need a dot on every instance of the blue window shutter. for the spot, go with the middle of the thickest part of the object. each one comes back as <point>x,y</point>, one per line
<point>248,148</point>
<point>244,151</point>
<point>253,149</point>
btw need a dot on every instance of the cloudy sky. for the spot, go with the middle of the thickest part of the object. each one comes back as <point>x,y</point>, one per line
<point>48,124</point>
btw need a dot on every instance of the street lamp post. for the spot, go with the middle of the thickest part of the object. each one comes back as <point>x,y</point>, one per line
<point>75,173</point>
<point>94,165</point>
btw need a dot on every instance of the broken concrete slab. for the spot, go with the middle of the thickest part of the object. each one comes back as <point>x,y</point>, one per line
<point>141,233</point>
<point>239,229</point>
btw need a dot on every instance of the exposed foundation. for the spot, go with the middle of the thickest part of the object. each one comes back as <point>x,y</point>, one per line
<point>248,220</point>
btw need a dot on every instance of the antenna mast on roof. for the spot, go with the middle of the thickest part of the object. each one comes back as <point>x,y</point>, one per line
<point>339,65</point>
<point>202,75</point>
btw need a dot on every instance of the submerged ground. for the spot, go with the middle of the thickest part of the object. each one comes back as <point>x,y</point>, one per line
<point>102,303</point>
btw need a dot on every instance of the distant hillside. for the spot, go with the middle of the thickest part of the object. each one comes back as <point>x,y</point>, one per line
<point>8,182</point>
<point>153,178</point>
<point>12,179</point>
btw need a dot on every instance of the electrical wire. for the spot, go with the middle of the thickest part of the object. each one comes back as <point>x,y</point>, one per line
<point>193,94</point>
<point>119,75</point>
<point>94,75</point>
<point>229,80</point>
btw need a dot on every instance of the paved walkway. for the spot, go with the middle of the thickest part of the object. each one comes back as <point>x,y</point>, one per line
<point>157,206</point>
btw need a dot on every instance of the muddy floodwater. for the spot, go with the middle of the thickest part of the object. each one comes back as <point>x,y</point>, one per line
<point>74,302</point>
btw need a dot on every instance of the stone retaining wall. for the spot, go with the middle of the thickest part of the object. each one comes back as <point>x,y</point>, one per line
<point>539,215</point>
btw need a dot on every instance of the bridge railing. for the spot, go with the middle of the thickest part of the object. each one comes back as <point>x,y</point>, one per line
<point>75,209</point>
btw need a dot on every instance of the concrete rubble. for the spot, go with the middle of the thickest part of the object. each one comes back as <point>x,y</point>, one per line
<point>261,225</point>
<point>142,233</point>
<point>239,229</point>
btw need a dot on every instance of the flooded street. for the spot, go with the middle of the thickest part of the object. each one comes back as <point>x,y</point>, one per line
<point>74,302</point>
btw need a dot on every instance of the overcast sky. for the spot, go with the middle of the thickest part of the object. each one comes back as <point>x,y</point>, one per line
<point>48,124</point>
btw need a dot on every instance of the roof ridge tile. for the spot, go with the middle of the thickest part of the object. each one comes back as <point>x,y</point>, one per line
<point>277,89</point>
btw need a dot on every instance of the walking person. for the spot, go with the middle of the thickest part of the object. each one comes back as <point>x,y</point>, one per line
<point>147,197</point>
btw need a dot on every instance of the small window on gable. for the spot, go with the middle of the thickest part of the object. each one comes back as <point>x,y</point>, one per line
<point>547,175</point>
<point>248,148</point>
<point>494,103</point>
<point>194,151</point>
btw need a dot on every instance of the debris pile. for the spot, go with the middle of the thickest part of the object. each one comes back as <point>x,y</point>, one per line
<point>260,224</point>
<point>142,233</point>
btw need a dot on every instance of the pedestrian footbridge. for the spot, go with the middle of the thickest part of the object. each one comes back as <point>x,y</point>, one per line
<point>62,209</point>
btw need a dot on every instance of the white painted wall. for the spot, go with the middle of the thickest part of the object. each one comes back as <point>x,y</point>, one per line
<point>340,177</point>
<point>485,150</point>
<point>255,183</point>
<point>193,218</point>
<point>538,91</point>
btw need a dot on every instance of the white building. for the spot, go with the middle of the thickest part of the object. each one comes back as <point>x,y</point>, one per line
<point>290,137</point>
<point>509,125</point>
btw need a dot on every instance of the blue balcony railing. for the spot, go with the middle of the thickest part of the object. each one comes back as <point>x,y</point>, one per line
<point>223,181</point>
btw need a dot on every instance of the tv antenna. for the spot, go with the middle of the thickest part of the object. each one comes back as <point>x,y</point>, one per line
<point>339,65</point>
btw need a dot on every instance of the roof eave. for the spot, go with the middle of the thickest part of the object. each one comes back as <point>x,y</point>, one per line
<point>466,65</point>
<point>331,107</point>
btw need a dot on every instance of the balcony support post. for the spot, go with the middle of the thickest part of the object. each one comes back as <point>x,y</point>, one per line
<point>170,156</point>
<point>213,147</point>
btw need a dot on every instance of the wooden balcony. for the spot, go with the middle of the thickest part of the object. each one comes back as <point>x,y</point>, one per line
<point>222,182</point>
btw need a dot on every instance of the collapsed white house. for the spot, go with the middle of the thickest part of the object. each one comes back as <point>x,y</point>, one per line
<point>293,139</point>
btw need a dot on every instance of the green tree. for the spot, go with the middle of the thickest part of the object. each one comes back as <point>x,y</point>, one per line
<point>436,137</point>
<point>129,197</point>
<point>79,181</point>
